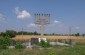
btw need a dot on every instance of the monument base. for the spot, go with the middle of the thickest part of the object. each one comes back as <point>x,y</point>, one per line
<point>39,39</point>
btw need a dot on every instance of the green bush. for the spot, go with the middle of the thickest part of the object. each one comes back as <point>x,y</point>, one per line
<point>3,47</point>
<point>68,42</point>
<point>44,44</point>
<point>80,43</point>
<point>52,53</point>
<point>19,45</point>
<point>4,42</point>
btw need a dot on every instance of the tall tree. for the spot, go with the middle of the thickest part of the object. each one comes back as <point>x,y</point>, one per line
<point>78,34</point>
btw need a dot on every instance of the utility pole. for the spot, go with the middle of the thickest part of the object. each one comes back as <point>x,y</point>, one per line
<point>22,33</point>
<point>69,31</point>
<point>70,40</point>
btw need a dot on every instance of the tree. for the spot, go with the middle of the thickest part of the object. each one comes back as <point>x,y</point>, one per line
<point>3,34</point>
<point>77,34</point>
<point>53,33</point>
<point>11,33</point>
<point>35,33</point>
<point>83,35</point>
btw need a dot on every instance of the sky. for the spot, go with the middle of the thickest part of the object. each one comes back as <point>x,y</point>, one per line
<point>64,14</point>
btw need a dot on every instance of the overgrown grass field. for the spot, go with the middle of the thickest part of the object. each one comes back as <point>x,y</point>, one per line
<point>59,50</point>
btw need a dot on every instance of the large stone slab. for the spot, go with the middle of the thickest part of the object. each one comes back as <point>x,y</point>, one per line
<point>34,41</point>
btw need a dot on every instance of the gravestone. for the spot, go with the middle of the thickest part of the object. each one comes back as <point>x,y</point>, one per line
<point>34,41</point>
<point>13,43</point>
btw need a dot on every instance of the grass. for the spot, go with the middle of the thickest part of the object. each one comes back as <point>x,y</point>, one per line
<point>76,50</point>
<point>79,49</point>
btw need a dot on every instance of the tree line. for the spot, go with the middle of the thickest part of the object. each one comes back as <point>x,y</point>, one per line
<point>13,33</point>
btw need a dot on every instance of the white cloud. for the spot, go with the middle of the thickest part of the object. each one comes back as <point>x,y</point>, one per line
<point>56,22</point>
<point>22,14</point>
<point>2,17</point>
<point>32,25</point>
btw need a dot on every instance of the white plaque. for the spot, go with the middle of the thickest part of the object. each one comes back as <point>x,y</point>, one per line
<point>39,39</point>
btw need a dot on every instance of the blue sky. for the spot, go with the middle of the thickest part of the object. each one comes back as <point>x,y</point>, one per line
<point>18,14</point>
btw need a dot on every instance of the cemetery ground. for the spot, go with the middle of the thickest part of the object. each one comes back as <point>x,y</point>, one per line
<point>78,49</point>
<point>59,50</point>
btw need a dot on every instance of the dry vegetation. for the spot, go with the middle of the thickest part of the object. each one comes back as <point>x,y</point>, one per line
<point>28,37</point>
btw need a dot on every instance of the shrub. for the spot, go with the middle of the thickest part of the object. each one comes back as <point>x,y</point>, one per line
<point>52,53</point>
<point>68,42</point>
<point>3,46</point>
<point>44,44</point>
<point>4,42</point>
<point>19,45</point>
